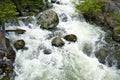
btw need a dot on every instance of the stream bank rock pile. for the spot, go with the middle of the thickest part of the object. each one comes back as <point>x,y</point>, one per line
<point>109,19</point>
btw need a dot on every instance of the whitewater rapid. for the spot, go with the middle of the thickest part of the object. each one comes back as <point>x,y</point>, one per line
<point>67,63</point>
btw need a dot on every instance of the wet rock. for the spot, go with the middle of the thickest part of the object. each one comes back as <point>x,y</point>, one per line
<point>116,35</point>
<point>63,17</point>
<point>109,54</point>
<point>26,20</point>
<point>19,44</point>
<point>117,57</point>
<point>8,69</point>
<point>53,1</point>
<point>102,55</point>
<point>87,49</point>
<point>11,53</point>
<point>47,51</point>
<point>48,19</point>
<point>6,77</point>
<point>58,42</point>
<point>71,38</point>
<point>57,2</point>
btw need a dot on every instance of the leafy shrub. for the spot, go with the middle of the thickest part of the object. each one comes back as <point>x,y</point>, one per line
<point>90,6</point>
<point>117,29</point>
<point>7,10</point>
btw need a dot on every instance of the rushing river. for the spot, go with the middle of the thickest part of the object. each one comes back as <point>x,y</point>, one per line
<point>70,62</point>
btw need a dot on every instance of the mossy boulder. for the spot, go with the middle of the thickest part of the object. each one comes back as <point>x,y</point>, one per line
<point>71,38</point>
<point>48,19</point>
<point>11,53</point>
<point>19,44</point>
<point>58,42</point>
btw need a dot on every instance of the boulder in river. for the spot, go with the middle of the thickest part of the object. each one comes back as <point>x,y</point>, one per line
<point>53,1</point>
<point>19,44</point>
<point>71,38</point>
<point>48,19</point>
<point>58,42</point>
<point>47,51</point>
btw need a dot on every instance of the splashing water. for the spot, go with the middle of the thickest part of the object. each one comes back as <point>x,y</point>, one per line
<point>66,63</point>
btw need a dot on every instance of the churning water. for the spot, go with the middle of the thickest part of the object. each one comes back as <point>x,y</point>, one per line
<point>70,62</point>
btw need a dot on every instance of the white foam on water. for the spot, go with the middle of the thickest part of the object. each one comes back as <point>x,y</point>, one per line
<point>66,63</point>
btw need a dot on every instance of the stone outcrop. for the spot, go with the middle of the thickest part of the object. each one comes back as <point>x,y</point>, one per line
<point>109,19</point>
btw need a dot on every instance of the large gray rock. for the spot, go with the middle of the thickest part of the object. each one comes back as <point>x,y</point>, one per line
<point>48,19</point>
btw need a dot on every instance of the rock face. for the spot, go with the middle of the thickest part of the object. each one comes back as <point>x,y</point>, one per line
<point>109,54</point>
<point>58,42</point>
<point>48,19</point>
<point>71,37</point>
<point>109,18</point>
<point>19,44</point>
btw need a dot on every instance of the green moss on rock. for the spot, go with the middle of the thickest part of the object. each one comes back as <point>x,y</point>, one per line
<point>117,29</point>
<point>19,44</point>
<point>71,37</point>
<point>58,42</point>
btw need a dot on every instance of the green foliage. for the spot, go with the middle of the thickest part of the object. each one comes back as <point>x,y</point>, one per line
<point>7,11</point>
<point>117,29</point>
<point>90,6</point>
<point>116,16</point>
<point>32,4</point>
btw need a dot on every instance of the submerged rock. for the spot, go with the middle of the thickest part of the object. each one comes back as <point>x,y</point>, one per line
<point>48,19</point>
<point>63,17</point>
<point>71,38</point>
<point>87,49</point>
<point>47,51</point>
<point>19,44</point>
<point>58,42</point>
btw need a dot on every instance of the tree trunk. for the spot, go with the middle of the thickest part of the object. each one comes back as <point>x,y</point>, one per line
<point>3,48</point>
<point>17,4</point>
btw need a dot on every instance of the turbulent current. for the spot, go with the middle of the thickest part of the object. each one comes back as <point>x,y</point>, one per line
<point>69,62</point>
